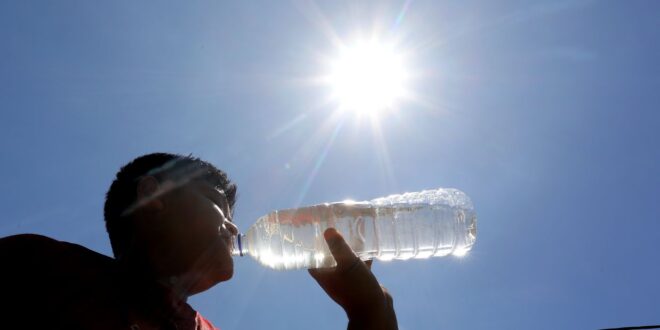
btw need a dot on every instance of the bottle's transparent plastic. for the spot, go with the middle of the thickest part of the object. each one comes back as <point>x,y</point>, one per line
<point>411,225</point>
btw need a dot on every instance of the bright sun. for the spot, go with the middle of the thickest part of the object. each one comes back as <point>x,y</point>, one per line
<point>367,77</point>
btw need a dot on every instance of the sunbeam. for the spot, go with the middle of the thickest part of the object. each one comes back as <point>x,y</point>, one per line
<point>319,161</point>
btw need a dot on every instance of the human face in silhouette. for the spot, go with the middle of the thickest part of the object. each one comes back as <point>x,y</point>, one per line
<point>195,232</point>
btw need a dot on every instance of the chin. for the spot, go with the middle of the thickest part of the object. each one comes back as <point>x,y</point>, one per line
<point>224,273</point>
<point>211,279</point>
<point>212,274</point>
<point>226,276</point>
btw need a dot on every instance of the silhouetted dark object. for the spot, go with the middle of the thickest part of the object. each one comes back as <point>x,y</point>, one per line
<point>58,285</point>
<point>638,327</point>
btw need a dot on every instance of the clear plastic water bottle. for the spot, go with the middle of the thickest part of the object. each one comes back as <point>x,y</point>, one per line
<point>412,225</point>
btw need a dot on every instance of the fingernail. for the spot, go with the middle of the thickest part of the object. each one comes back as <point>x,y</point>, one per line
<point>331,233</point>
<point>332,239</point>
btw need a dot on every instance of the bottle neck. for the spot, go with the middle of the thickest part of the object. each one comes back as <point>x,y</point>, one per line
<point>238,247</point>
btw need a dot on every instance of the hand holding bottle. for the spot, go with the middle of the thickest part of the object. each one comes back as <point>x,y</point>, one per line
<point>353,286</point>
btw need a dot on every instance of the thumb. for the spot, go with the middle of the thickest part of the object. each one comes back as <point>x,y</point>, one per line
<point>340,250</point>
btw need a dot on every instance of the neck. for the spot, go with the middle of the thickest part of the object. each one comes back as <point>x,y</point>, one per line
<point>175,288</point>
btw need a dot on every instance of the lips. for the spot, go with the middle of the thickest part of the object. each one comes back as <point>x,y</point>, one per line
<point>225,235</point>
<point>225,241</point>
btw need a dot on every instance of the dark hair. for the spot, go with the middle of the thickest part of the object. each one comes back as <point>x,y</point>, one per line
<point>121,198</point>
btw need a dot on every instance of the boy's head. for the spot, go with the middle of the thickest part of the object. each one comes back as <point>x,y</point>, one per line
<point>173,210</point>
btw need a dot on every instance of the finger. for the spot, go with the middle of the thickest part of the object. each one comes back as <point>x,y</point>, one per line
<point>339,248</point>
<point>314,273</point>
<point>317,273</point>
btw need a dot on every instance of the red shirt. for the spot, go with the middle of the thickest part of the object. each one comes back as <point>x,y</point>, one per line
<point>48,284</point>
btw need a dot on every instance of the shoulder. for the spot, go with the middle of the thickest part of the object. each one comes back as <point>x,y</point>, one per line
<point>26,252</point>
<point>61,282</point>
<point>25,240</point>
<point>23,248</point>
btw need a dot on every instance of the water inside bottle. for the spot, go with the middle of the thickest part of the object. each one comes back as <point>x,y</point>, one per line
<point>293,239</point>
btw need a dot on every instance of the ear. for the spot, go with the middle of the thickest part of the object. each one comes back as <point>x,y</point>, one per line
<point>147,193</point>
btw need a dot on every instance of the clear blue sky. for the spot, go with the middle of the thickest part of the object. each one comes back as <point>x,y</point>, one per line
<point>545,113</point>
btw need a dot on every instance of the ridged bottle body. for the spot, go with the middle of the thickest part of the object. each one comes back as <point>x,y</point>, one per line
<point>412,225</point>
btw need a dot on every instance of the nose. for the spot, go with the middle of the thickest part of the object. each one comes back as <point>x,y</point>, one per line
<point>231,227</point>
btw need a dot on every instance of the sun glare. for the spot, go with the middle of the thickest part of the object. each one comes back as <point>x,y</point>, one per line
<point>367,77</point>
